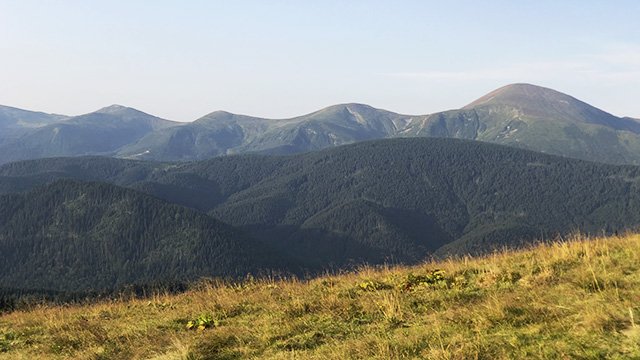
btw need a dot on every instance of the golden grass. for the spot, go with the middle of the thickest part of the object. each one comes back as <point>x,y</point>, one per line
<point>575,299</point>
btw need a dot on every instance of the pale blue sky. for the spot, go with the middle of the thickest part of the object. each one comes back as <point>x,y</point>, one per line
<point>183,59</point>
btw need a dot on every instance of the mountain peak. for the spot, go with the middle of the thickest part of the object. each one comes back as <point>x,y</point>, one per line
<point>522,94</point>
<point>221,116</point>
<point>128,114</point>
<point>219,113</point>
<point>356,107</point>
<point>115,109</point>
<point>526,101</point>
<point>353,105</point>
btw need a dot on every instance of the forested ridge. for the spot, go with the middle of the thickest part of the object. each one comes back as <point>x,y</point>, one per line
<point>90,237</point>
<point>398,200</point>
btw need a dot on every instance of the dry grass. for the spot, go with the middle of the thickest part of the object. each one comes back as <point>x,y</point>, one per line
<point>577,299</point>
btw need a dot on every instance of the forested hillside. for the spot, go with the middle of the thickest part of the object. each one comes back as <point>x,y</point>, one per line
<point>383,201</point>
<point>78,237</point>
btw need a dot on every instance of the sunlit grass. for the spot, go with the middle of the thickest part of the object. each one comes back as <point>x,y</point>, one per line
<point>575,299</point>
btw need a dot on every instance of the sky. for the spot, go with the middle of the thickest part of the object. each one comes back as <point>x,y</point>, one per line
<point>183,59</point>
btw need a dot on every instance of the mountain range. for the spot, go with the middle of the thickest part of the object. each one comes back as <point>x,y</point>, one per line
<point>520,115</point>
<point>119,197</point>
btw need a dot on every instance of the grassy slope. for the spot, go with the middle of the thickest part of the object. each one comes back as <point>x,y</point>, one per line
<point>578,299</point>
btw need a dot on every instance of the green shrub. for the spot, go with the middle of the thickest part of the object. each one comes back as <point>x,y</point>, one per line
<point>373,285</point>
<point>204,321</point>
<point>434,278</point>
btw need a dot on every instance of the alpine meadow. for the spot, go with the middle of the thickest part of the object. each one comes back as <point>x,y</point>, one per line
<point>331,180</point>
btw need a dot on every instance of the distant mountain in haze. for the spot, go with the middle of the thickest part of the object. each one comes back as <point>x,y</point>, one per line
<point>521,115</point>
<point>15,122</point>
<point>539,119</point>
<point>101,132</point>
<point>222,133</point>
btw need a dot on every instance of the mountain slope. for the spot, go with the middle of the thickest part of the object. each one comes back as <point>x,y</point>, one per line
<point>212,135</point>
<point>221,133</point>
<point>387,200</point>
<point>543,103</point>
<point>520,115</point>
<point>100,132</point>
<point>539,119</point>
<point>472,196</point>
<point>333,126</point>
<point>15,122</point>
<point>77,237</point>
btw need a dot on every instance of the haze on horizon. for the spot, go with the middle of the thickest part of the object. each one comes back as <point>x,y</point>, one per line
<point>181,60</point>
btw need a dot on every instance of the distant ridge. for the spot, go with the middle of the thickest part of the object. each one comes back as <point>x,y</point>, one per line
<point>222,133</point>
<point>521,115</point>
<point>101,132</point>
<point>15,122</point>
